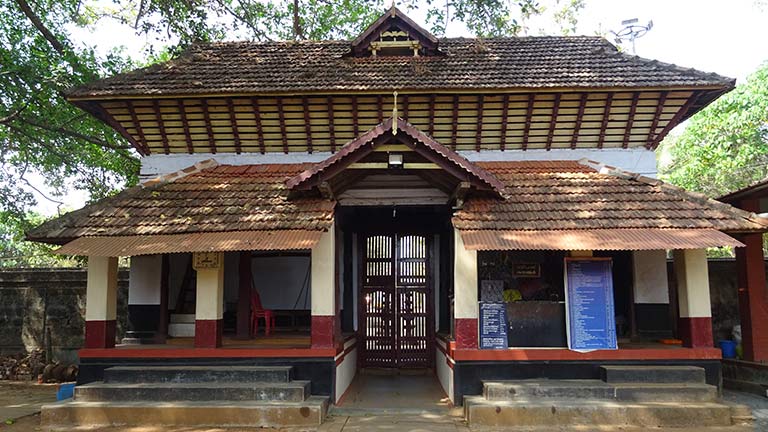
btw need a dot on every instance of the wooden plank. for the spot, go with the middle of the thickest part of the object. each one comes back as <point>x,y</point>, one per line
<point>579,118</point>
<point>431,115</point>
<point>630,120</point>
<point>553,122</point>
<point>331,123</point>
<point>528,115</point>
<point>206,116</point>
<point>606,117</point>
<point>355,123</point>
<point>235,130</point>
<point>504,122</point>
<point>161,127</point>
<point>455,121</point>
<point>257,117</point>
<point>405,107</point>
<point>379,109</point>
<point>655,121</point>
<point>479,131</point>
<point>308,126</point>
<point>281,122</point>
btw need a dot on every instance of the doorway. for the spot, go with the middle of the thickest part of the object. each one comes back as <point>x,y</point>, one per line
<point>396,301</point>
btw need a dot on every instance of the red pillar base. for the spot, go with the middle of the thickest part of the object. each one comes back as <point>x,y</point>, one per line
<point>696,332</point>
<point>323,331</point>
<point>100,334</point>
<point>465,333</point>
<point>208,333</point>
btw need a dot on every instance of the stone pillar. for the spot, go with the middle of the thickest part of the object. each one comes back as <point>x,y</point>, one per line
<point>144,289</point>
<point>209,303</point>
<point>651,293</point>
<point>695,325</point>
<point>101,302</point>
<point>323,290</point>
<point>753,305</point>
<point>464,294</point>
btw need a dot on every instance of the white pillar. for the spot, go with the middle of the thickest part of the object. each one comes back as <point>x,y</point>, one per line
<point>464,294</point>
<point>323,290</point>
<point>691,272</point>
<point>101,302</point>
<point>209,303</point>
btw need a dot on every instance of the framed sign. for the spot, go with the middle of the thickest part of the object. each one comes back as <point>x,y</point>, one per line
<point>589,308</point>
<point>493,325</point>
<point>492,290</point>
<point>531,270</point>
<point>206,260</point>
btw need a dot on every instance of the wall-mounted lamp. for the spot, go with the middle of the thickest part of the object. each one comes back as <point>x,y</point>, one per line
<point>395,160</point>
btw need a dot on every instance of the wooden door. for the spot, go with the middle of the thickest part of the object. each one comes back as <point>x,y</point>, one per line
<point>396,304</point>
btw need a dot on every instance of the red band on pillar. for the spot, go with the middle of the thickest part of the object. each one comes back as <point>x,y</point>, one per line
<point>696,332</point>
<point>208,333</point>
<point>465,330</point>
<point>100,334</point>
<point>322,331</point>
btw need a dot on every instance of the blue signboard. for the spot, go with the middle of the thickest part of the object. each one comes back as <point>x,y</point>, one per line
<point>589,306</point>
<point>493,325</point>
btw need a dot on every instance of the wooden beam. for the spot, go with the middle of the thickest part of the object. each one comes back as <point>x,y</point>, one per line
<point>208,128</point>
<point>553,121</point>
<point>160,125</point>
<point>379,108</point>
<point>308,123</point>
<point>479,123</point>
<point>185,125</point>
<point>331,125</point>
<point>504,118</point>
<point>404,116</point>
<point>630,120</point>
<point>528,116</point>
<point>673,122</point>
<point>281,120</point>
<point>454,121</point>
<point>137,126</point>
<point>579,119</point>
<point>385,165</point>
<point>460,194</point>
<point>257,119</point>
<point>606,117</point>
<point>326,191</point>
<point>431,114</point>
<point>355,120</point>
<point>235,130</point>
<point>655,122</point>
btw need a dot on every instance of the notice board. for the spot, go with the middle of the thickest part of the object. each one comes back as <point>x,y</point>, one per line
<point>590,317</point>
<point>493,325</point>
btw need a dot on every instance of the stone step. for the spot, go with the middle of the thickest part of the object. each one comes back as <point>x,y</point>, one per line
<point>652,374</point>
<point>295,391</point>
<point>66,415</point>
<point>596,389</point>
<point>198,374</point>
<point>480,412</point>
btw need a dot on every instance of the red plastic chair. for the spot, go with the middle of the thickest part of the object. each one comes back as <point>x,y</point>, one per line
<point>257,312</point>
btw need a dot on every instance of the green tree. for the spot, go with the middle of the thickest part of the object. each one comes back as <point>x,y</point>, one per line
<point>724,147</point>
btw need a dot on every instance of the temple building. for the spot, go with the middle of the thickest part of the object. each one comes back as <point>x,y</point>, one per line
<point>335,206</point>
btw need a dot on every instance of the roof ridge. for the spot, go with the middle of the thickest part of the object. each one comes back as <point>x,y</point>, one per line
<point>176,175</point>
<point>604,169</point>
<point>665,65</point>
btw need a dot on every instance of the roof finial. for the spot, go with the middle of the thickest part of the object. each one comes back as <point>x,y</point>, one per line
<point>394,113</point>
<point>393,9</point>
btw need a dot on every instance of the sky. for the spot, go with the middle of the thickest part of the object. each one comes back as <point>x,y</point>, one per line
<point>726,37</point>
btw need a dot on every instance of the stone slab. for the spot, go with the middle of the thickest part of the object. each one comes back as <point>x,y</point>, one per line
<point>198,374</point>
<point>652,374</point>
<point>295,391</point>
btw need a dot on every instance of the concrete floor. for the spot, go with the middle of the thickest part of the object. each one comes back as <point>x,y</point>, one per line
<point>23,398</point>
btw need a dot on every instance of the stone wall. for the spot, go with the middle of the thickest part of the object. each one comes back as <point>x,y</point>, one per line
<point>57,296</point>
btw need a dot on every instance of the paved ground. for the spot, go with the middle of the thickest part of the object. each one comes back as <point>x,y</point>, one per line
<point>19,399</point>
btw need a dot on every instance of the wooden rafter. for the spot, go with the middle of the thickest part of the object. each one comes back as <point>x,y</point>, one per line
<point>161,125</point>
<point>185,125</point>
<point>606,117</point>
<point>235,129</point>
<point>355,119</point>
<point>404,115</point>
<point>208,128</point>
<point>308,123</point>
<point>431,115</point>
<point>331,124</point>
<point>528,116</point>
<point>454,121</point>
<point>259,129</point>
<point>553,121</point>
<point>479,130</point>
<point>504,120</point>
<point>137,126</point>
<point>379,108</point>
<point>281,119</point>
<point>655,123</point>
<point>676,118</point>
<point>630,120</point>
<point>579,119</point>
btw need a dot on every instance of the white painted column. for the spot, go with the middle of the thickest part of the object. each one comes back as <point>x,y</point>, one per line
<point>691,273</point>
<point>465,299</point>
<point>209,303</point>
<point>323,285</point>
<point>144,287</point>
<point>101,302</point>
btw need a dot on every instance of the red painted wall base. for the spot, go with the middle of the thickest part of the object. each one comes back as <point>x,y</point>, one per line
<point>208,333</point>
<point>696,332</point>
<point>322,331</point>
<point>100,334</point>
<point>465,330</point>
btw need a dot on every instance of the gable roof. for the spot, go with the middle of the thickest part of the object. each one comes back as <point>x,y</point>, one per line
<point>393,17</point>
<point>511,63</point>
<point>358,147</point>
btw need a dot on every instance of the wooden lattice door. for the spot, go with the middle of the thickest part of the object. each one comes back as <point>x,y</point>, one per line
<point>396,305</point>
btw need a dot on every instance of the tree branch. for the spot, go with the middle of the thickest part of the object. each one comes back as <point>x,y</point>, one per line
<point>47,34</point>
<point>74,134</point>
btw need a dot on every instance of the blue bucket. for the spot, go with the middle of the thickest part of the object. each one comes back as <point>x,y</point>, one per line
<point>65,391</point>
<point>728,347</point>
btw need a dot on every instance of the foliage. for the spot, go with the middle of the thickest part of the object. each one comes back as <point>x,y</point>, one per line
<point>725,146</point>
<point>15,252</point>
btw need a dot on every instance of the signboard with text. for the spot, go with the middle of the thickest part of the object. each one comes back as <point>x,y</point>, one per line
<point>493,325</point>
<point>589,308</point>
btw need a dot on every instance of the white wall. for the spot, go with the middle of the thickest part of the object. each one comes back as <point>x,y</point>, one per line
<point>346,370</point>
<point>649,270</point>
<point>444,372</point>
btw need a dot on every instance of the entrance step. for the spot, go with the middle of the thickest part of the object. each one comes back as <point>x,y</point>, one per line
<point>198,374</point>
<point>66,415</point>
<point>597,390</point>
<point>653,374</point>
<point>480,412</point>
<point>295,391</point>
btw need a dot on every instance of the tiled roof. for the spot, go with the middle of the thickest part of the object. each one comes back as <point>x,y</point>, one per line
<point>217,199</point>
<point>311,66</point>
<point>571,195</point>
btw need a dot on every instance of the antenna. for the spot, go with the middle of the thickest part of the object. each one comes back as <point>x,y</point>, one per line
<point>631,32</point>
